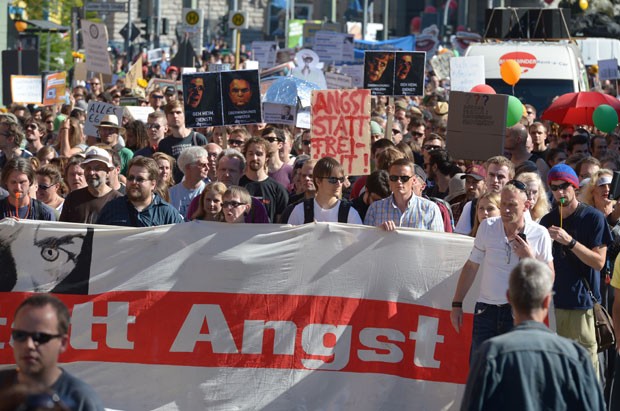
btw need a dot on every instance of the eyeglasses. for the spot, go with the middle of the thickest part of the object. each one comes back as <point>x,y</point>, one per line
<point>333,180</point>
<point>403,179</point>
<point>271,139</point>
<point>235,142</point>
<point>31,127</point>
<point>37,337</point>
<point>44,187</point>
<point>153,126</point>
<point>562,186</point>
<point>233,204</point>
<point>518,184</point>
<point>306,142</point>
<point>136,179</point>
<point>156,96</point>
<point>430,147</point>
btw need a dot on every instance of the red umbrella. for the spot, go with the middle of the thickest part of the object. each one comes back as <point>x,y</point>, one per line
<point>577,108</point>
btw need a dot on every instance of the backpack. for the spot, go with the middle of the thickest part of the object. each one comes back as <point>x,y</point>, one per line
<point>343,211</point>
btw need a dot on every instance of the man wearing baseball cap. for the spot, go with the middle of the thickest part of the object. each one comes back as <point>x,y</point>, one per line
<point>581,237</point>
<point>109,132</point>
<point>84,205</point>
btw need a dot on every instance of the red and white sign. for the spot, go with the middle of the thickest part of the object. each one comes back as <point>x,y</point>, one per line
<point>527,61</point>
<point>211,316</point>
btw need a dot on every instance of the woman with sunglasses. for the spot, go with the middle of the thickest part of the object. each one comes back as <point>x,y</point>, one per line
<point>49,183</point>
<point>536,194</point>
<point>236,204</point>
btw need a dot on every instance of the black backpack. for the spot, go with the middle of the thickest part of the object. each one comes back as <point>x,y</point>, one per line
<point>343,211</point>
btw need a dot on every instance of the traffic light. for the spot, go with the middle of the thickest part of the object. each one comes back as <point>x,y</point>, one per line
<point>146,28</point>
<point>223,25</point>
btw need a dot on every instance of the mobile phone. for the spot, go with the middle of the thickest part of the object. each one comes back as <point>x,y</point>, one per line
<point>522,235</point>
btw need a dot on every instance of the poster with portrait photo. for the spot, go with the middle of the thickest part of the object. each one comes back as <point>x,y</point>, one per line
<point>202,99</point>
<point>241,97</point>
<point>409,73</point>
<point>279,113</point>
<point>379,72</point>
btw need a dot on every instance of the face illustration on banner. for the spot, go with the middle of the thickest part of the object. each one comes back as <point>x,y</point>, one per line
<point>376,65</point>
<point>196,89</point>
<point>52,260</point>
<point>240,92</point>
<point>404,63</point>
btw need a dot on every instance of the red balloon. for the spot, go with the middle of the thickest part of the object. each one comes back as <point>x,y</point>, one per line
<point>482,88</point>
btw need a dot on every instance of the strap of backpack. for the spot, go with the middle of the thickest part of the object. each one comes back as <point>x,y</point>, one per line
<point>308,210</point>
<point>343,211</point>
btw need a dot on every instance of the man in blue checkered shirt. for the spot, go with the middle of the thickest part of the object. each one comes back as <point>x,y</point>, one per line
<point>405,207</point>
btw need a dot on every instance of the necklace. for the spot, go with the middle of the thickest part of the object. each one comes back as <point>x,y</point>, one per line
<point>15,213</point>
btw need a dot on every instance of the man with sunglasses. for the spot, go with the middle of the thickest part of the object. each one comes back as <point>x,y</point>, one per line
<point>141,206</point>
<point>156,128</point>
<point>405,208</point>
<point>326,206</point>
<point>581,237</point>
<point>499,245</point>
<point>277,169</point>
<point>40,335</point>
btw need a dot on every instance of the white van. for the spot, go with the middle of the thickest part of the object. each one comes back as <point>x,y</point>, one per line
<point>549,69</point>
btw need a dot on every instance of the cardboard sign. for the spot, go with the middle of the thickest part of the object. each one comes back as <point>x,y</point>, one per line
<point>608,69</point>
<point>80,71</point>
<point>162,83</point>
<point>134,74</point>
<point>155,55</point>
<point>279,113</point>
<point>202,96</point>
<point>265,53</point>
<point>334,47</point>
<point>309,68</point>
<point>389,73</point>
<point>441,66</point>
<point>338,81</point>
<point>466,72</point>
<point>95,111</point>
<point>55,88</point>
<point>341,128</point>
<point>95,37</point>
<point>223,98</point>
<point>476,125</point>
<point>26,89</point>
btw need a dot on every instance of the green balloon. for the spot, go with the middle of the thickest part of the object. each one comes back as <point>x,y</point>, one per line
<point>514,112</point>
<point>605,118</point>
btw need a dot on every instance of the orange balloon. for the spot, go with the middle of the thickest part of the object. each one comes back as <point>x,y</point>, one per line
<point>510,71</point>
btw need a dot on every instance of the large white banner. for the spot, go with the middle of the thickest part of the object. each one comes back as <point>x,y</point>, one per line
<point>249,317</point>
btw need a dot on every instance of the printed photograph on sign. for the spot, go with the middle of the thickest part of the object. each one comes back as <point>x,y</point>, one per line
<point>279,113</point>
<point>202,98</point>
<point>265,53</point>
<point>241,97</point>
<point>409,73</point>
<point>309,68</point>
<point>379,72</point>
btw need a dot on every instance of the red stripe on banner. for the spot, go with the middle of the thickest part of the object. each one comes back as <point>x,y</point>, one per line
<point>260,331</point>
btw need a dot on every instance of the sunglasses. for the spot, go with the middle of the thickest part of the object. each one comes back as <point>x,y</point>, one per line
<point>334,180</point>
<point>44,187</point>
<point>235,142</point>
<point>233,204</point>
<point>306,142</point>
<point>430,147</point>
<point>38,338</point>
<point>31,127</point>
<point>403,179</point>
<point>417,134</point>
<point>562,186</point>
<point>154,125</point>
<point>156,96</point>
<point>135,179</point>
<point>271,139</point>
<point>518,184</point>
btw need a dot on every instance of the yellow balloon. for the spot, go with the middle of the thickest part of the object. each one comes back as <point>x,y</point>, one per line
<point>583,4</point>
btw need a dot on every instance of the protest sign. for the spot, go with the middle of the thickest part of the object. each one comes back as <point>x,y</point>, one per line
<point>303,118</point>
<point>130,101</point>
<point>162,83</point>
<point>265,53</point>
<point>476,125</point>
<point>466,72</point>
<point>379,72</point>
<point>134,74</point>
<point>215,67</point>
<point>181,303</point>
<point>441,66</point>
<point>341,128</point>
<point>140,112</point>
<point>26,89</point>
<point>356,72</point>
<point>154,55</point>
<point>608,69</point>
<point>80,71</point>
<point>55,88</point>
<point>95,111</point>
<point>95,37</point>
<point>241,97</point>
<point>309,68</point>
<point>279,113</point>
<point>409,73</point>
<point>203,99</point>
<point>333,47</point>
<point>311,27</point>
<point>406,43</point>
<point>337,80</point>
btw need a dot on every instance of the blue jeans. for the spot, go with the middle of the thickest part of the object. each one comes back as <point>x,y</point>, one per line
<point>489,321</point>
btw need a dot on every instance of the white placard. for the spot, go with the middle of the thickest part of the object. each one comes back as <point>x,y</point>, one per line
<point>334,47</point>
<point>26,89</point>
<point>466,72</point>
<point>608,69</point>
<point>154,56</point>
<point>338,81</point>
<point>95,37</point>
<point>140,112</point>
<point>95,111</point>
<point>265,53</point>
<point>279,113</point>
<point>356,72</point>
<point>215,67</point>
